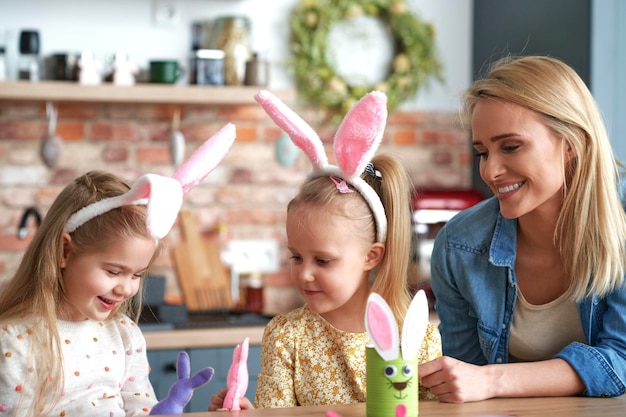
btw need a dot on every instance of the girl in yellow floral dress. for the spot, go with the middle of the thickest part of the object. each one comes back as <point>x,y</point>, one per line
<point>348,231</point>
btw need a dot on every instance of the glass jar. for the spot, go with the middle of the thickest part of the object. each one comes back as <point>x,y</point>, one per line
<point>251,292</point>
<point>231,35</point>
<point>207,67</point>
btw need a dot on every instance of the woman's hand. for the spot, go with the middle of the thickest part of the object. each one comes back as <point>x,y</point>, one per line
<point>217,402</point>
<point>454,381</point>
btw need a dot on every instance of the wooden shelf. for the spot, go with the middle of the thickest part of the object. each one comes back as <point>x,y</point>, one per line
<point>139,93</point>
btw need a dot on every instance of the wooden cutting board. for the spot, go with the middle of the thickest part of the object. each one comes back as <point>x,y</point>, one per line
<point>202,276</point>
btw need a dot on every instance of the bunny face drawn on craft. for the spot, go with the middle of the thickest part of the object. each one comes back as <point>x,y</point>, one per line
<point>397,364</point>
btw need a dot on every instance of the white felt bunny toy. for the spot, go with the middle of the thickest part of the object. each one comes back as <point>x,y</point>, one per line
<point>392,381</point>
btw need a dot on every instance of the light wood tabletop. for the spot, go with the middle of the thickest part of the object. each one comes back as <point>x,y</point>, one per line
<point>501,407</point>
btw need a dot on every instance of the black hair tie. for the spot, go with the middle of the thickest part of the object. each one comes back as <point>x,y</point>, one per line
<point>370,169</point>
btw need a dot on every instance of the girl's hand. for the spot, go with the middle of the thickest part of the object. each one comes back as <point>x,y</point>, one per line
<point>455,381</point>
<point>217,402</point>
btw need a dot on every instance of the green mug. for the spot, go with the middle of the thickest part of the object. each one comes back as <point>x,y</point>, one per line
<point>165,71</point>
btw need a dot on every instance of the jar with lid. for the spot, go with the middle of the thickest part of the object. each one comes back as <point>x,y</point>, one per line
<point>231,35</point>
<point>207,67</point>
<point>252,294</point>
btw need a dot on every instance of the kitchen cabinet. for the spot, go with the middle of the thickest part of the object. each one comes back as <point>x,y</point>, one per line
<point>139,93</point>
<point>163,374</point>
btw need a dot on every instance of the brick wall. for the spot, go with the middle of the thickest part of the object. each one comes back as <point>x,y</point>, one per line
<point>247,193</point>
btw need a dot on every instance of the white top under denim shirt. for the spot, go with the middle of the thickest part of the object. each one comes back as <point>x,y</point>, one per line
<point>474,281</point>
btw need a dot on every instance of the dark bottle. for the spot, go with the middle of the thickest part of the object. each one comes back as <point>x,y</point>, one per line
<point>29,55</point>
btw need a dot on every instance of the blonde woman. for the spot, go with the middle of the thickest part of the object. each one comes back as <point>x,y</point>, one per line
<point>530,283</point>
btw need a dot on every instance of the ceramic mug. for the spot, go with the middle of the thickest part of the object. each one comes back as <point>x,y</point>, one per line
<point>165,71</point>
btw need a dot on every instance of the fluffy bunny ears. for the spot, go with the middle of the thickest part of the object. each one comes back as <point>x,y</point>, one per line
<point>382,328</point>
<point>356,141</point>
<point>163,196</point>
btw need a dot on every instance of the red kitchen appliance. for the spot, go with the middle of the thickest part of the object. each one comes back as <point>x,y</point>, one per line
<point>431,210</point>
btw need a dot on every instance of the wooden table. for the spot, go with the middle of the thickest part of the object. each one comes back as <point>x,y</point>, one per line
<point>501,407</point>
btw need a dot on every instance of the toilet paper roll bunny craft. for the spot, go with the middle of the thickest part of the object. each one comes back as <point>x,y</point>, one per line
<point>391,366</point>
<point>355,142</point>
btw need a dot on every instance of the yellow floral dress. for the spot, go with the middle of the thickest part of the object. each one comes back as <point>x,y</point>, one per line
<point>306,361</point>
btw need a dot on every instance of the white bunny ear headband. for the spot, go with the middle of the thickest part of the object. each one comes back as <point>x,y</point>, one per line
<point>163,196</point>
<point>356,141</point>
<point>382,328</point>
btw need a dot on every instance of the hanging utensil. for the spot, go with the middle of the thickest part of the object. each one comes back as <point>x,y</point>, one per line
<point>51,144</point>
<point>177,140</point>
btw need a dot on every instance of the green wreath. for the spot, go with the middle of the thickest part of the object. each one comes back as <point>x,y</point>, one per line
<point>415,58</point>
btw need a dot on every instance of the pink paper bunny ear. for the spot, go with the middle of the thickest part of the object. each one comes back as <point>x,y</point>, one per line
<point>298,130</point>
<point>381,327</point>
<point>163,196</point>
<point>360,133</point>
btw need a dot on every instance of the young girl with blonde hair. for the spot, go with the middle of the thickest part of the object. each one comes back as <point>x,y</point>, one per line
<point>349,234</point>
<point>68,345</point>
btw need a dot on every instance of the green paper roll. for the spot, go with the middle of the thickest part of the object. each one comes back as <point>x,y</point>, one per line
<point>390,384</point>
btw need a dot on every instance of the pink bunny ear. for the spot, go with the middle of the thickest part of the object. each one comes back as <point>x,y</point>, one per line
<point>163,196</point>
<point>298,130</point>
<point>360,133</point>
<point>381,327</point>
<point>206,158</point>
<point>356,140</point>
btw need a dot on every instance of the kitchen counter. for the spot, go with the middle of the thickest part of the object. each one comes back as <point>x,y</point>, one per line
<point>202,338</point>
<point>212,336</point>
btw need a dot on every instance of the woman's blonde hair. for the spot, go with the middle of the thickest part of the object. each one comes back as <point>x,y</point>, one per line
<point>591,228</point>
<point>394,189</point>
<point>36,290</point>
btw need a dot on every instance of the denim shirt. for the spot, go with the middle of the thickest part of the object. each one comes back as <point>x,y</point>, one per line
<point>473,278</point>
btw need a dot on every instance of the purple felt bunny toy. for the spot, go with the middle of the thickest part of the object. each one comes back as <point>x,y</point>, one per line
<point>181,391</point>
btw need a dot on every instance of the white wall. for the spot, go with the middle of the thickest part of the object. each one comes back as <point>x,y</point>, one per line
<point>108,26</point>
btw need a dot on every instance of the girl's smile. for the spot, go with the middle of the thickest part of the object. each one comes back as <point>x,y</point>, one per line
<point>95,284</point>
